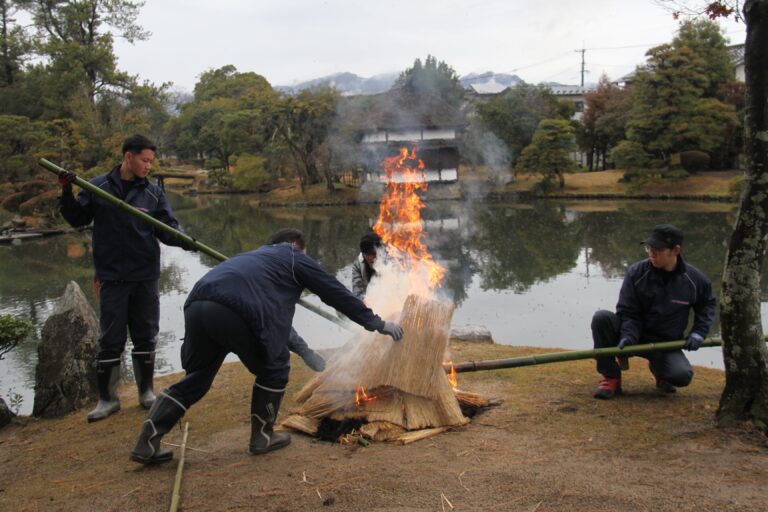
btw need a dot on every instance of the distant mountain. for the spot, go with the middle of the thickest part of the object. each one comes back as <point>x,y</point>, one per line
<point>351,84</point>
<point>489,82</point>
<point>348,83</point>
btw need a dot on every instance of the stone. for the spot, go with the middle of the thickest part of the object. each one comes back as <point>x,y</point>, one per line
<point>65,378</point>
<point>6,414</point>
<point>474,333</point>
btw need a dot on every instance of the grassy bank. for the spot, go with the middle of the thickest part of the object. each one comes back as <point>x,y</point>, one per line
<point>549,446</point>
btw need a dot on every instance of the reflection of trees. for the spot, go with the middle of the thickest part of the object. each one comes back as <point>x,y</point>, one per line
<point>516,248</point>
<point>231,225</point>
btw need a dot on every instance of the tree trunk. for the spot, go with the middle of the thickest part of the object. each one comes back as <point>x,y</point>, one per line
<point>745,396</point>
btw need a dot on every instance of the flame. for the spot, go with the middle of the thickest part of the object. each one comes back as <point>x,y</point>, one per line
<point>452,379</point>
<point>361,396</point>
<point>399,224</point>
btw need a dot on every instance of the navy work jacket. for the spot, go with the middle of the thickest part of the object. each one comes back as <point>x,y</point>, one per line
<point>654,304</point>
<point>125,248</point>
<point>263,286</point>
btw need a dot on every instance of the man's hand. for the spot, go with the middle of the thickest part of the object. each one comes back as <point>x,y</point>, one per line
<point>65,180</point>
<point>694,341</point>
<point>392,329</point>
<point>187,246</point>
<point>626,342</point>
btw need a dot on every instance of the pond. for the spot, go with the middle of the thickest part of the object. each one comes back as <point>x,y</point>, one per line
<point>532,273</point>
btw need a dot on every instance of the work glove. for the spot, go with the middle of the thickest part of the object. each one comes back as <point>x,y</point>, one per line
<point>188,246</point>
<point>694,341</point>
<point>65,180</point>
<point>392,329</point>
<point>313,360</point>
<point>626,342</point>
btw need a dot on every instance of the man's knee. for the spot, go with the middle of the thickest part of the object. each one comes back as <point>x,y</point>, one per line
<point>680,377</point>
<point>602,318</point>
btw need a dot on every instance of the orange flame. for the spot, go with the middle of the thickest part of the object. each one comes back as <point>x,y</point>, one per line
<point>361,396</point>
<point>452,379</point>
<point>399,224</point>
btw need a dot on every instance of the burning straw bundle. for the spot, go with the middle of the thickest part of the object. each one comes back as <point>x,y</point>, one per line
<point>392,387</point>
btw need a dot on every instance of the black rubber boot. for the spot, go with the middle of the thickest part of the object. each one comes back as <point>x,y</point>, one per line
<point>162,416</point>
<point>265,403</point>
<point>107,378</point>
<point>144,371</point>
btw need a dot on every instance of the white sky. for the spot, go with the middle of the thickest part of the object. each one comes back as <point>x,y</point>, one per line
<point>288,41</point>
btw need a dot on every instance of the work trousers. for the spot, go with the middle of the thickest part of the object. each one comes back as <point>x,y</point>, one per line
<point>128,307</point>
<point>211,332</point>
<point>671,366</point>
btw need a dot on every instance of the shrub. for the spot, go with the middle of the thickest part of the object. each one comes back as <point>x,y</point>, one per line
<point>630,155</point>
<point>12,331</point>
<point>693,161</point>
<point>251,173</point>
<point>736,185</point>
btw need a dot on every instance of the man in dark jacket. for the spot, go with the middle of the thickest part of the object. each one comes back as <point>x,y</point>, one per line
<point>655,300</point>
<point>245,305</point>
<point>126,255</point>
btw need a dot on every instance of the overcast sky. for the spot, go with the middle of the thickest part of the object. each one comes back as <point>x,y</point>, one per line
<point>288,41</point>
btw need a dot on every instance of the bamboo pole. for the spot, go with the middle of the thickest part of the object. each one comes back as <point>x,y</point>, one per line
<point>176,497</point>
<point>55,169</point>
<point>573,355</point>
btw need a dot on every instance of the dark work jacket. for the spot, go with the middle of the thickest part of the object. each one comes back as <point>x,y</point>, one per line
<point>654,304</point>
<point>125,248</point>
<point>263,287</point>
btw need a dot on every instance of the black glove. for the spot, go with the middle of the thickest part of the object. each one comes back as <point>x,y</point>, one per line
<point>694,341</point>
<point>65,180</point>
<point>392,329</point>
<point>188,246</point>
<point>626,342</point>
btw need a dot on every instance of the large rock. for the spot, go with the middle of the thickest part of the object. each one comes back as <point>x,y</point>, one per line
<point>6,414</point>
<point>65,379</point>
<point>475,333</point>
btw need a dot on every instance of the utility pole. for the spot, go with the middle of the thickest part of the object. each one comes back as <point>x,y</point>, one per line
<point>582,51</point>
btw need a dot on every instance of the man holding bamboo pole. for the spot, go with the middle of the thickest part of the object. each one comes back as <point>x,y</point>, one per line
<point>655,301</point>
<point>245,305</point>
<point>126,255</point>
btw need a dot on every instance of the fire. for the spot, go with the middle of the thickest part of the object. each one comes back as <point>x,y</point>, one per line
<point>361,396</point>
<point>452,379</point>
<point>399,223</point>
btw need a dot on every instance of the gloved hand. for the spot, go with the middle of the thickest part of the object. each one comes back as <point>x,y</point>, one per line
<point>694,341</point>
<point>626,342</point>
<point>313,360</point>
<point>392,329</point>
<point>65,179</point>
<point>188,246</point>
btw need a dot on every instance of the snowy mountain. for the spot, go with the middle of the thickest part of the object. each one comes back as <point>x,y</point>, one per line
<point>351,84</point>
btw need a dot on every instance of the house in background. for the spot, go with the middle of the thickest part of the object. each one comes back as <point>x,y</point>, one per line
<point>420,121</point>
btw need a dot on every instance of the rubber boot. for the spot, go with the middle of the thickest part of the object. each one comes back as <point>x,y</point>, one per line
<point>144,370</point>
<point>265,403</point>
<point>162,416</point>
<point>107,378</point>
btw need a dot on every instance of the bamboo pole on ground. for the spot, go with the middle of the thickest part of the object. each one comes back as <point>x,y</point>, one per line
<point>573,355</point>
<point>55,169</point>
<point>176,497</point>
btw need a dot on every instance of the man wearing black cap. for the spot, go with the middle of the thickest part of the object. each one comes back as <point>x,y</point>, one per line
<point>654,304</point>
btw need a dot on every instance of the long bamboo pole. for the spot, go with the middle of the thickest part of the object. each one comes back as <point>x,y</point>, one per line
<point>573,355</point>
<point>55,169</point>
<point>176,496</point>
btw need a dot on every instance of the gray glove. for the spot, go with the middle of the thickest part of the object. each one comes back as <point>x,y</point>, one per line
<point>392,329</point>
<point>694,341</point>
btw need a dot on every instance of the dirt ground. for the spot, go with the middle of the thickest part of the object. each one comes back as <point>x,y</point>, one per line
<point>548,447</point>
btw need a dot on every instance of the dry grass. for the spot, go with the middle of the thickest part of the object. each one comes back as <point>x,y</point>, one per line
<point>549,446</point>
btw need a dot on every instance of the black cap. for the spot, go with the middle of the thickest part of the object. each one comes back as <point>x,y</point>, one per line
<point>370,242</point>
<point>664,236</point>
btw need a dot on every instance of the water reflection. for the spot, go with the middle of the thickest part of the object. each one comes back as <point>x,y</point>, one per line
<point>532,273</point>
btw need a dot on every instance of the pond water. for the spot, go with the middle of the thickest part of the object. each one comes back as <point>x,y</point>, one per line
<point>532,273</point>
